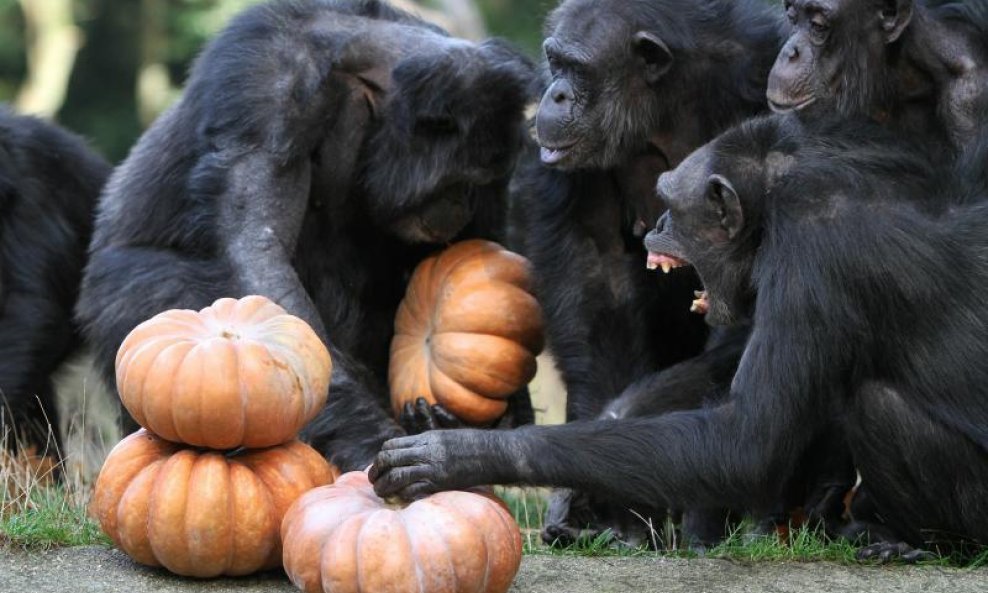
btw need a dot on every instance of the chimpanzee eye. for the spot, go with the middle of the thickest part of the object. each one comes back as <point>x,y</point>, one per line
<point>819,27</point>
<point>436,125</point>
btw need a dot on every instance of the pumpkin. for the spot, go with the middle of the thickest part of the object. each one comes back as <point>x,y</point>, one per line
<point>467,332</point>
<point>240,373</point>
<point>345,539</point>
<point>202,513</point>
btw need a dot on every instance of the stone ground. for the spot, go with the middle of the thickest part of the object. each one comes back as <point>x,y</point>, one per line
<point>100,570</point>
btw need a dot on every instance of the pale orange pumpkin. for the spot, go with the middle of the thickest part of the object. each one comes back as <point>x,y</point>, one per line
<point>467,332</point>
<point>202,513</point>
<point>345,539</point>
<point>240,373</point>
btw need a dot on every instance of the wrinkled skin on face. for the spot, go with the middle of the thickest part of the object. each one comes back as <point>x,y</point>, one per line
<point>836,54</point>
<point>448,131</point>
<point>599,91</point>
<point>705,227</point>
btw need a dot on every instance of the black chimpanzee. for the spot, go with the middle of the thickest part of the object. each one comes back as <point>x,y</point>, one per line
<point>917,65</point>
<point>49,183</point>
<point>633,86</point>
<point>322,148</point>
<point>869,273</point>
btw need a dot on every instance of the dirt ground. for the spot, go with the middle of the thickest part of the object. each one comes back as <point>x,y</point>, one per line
<point>99,570</point>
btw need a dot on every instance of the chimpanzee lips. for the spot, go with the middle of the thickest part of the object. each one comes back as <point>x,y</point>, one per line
<point>788,107</point>
<point>555,155</point>
<point>667,263</point>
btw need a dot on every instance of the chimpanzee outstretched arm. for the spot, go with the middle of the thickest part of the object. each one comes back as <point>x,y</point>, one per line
<point>731,454</point>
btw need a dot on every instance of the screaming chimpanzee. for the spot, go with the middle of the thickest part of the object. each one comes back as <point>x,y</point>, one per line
<point>917,65</point>
<point>49,183</point>
<point>321,150</point>
<point>633,87</point>
<point>869,279</point>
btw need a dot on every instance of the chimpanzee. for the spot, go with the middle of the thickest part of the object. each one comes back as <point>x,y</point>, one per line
<point>916,65</point>
<point>321,150</point>
<point>632,87</point>
<point>49,183</point>
<point>862,269</point>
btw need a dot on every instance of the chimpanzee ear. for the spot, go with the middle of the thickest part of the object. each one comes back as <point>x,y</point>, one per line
<point>895,17</point>
<point>721,193</point>
<point>654,53</point>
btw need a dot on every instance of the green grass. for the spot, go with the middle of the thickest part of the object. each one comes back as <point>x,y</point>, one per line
<point>802,544</point>
<point>49,518</point>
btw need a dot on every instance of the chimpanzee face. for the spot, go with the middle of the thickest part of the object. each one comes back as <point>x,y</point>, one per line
<point>834,58</point>
<point>448,135</point>
<point>595,111</point>
<point>715,201</point>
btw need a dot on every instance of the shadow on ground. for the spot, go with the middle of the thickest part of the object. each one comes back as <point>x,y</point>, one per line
<point>100,570</point>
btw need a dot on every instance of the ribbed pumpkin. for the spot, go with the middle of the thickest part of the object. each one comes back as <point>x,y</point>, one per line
<point>467,332</point>
<point>345,539</point>
<point>202,513</point>
<point>240,373</point>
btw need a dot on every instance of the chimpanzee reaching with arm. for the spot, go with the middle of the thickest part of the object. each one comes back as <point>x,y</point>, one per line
<point>918,65</point>
<point>633,87</point>
<point>49,183</point>
<point>322,148</point>
<point>869,273</point>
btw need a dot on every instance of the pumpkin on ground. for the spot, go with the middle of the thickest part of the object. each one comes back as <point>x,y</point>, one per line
<point>467,332</point>
<point>240,373</point>
<point>345,539</point>
<point>202,513</point>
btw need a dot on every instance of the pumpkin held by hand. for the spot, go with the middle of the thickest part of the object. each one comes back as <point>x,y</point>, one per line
<point>240,373</point>
<point>467,332</point>
<point>344,538</point>
<point>202,513</point>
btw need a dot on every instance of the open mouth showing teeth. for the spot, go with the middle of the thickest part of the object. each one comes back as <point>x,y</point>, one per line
<point>667,263</point>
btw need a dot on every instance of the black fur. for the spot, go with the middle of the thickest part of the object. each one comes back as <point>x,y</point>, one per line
<point>49,184</point>
<point>868,269</point>
<point>613,326</point>
<point>322,148</point>
<point>916,65</point>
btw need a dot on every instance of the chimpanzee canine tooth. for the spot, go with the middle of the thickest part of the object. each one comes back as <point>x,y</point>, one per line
<point>666,266</point>
<point>699,293</point>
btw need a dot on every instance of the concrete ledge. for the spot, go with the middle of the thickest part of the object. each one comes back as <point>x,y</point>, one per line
<point>100,570</point>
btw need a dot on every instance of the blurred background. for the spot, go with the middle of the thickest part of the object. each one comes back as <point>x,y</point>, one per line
<point>107,68</point>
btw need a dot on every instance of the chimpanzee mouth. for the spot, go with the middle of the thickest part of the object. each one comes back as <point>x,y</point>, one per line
<point>668,263</point>
<point>553,155</point>
<point>790,107</point>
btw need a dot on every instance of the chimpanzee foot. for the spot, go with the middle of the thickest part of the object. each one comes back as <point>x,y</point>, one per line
<point>885,552</point>
<point>573,516</point>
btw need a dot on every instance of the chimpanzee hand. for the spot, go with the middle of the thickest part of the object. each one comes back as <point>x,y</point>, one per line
<point>416,466</point>
<point>420,416</point>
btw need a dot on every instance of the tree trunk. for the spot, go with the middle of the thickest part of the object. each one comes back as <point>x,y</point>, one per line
<point>53,41</point>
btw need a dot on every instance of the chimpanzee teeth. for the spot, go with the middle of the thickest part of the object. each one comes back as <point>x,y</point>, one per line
<point>700,294</point>
<point>666,266</point>
<point>652,266</point>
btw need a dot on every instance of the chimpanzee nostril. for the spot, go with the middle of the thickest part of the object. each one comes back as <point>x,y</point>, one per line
<point>560,97</point>
<point>660,224</point>
<point>793,53</point>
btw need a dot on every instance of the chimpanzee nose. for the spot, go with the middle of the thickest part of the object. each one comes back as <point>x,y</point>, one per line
<point>561,92</point>
<point>660,224</point>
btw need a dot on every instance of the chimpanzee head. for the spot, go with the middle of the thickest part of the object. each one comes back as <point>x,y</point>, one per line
<point>604,61</point>
<point>837,55</point>
<point>446,136</point>
<point>714,217</point>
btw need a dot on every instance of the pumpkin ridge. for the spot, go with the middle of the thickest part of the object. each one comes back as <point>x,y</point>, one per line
<point>170,417</point>
<point>451,509</point>
<point>449,551</point>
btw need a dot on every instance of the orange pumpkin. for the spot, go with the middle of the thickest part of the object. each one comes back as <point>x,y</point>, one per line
<point>345,539</point>
<point>202,513</point>
<point>467,332</point>
<point>240,373</point>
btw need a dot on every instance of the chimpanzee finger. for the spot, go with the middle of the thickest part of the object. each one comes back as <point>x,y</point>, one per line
<point>407,419</point>
<point>424,415</point>
<point>915,556</point>
<point>396,480</point>
<point>443,418</point>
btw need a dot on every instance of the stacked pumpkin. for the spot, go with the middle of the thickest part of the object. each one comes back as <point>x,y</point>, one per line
<point>221,395</point>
